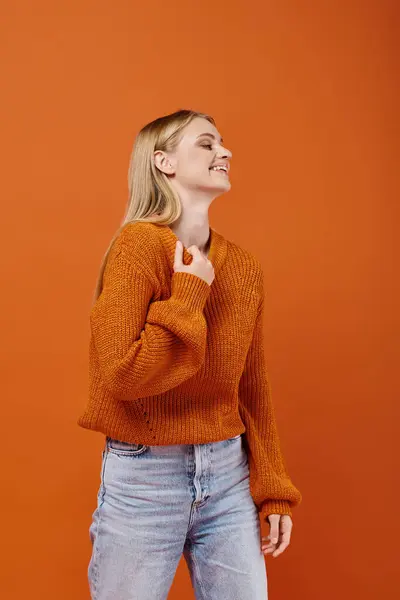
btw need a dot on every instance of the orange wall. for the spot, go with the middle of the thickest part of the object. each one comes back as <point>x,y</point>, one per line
<point>305,95</point>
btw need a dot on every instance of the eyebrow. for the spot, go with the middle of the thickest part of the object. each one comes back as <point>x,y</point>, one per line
<point>210,135</point>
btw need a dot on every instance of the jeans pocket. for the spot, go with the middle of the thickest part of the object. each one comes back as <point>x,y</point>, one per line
<point>125,448</point>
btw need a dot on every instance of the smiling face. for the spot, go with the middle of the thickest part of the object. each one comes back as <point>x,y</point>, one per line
<point>200,162</point>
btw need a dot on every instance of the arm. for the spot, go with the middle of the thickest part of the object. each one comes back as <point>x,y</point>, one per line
<point>270,485</point>
<point>145,348</point>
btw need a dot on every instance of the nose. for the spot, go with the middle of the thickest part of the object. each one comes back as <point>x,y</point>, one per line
<point>225,153</point>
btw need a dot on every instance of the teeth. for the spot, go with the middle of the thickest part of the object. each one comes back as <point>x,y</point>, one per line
<point>219,168</point>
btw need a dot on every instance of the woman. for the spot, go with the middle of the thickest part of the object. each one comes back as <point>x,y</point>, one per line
<point>179,387</point>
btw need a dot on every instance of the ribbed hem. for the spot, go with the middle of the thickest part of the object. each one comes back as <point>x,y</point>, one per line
<point>190,289</point>
<point>275,507</point>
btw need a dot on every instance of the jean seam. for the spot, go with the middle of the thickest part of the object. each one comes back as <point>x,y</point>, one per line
<point>197,570</point>
<point>128,451</point>
<point>96,544</point>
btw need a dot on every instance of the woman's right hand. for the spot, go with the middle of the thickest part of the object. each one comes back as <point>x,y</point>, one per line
<point>200,265</point>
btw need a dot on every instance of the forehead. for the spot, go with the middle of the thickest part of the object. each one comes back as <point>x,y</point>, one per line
<point>197,126</point>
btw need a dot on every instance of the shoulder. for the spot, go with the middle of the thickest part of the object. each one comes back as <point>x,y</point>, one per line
<point>245,260</point>
<point>139,243</point>
<point>248,269</point>
<point>138,234</point>
<point>136,239</point>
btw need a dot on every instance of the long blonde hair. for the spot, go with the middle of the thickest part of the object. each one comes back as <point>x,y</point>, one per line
<point>151,197</point>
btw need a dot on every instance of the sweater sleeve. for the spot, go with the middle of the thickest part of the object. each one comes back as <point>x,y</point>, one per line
<point>271,488</point>
<point>147,347</point>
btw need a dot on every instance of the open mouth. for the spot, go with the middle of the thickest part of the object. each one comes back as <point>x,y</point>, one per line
<point>220,169</point>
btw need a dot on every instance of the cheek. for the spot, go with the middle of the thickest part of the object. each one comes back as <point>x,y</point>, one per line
<point>194,167</point>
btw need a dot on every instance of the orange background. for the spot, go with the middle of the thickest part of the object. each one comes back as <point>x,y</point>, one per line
<point>305,95</point>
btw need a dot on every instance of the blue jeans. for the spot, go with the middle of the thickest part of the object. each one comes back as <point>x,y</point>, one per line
<point>157,503</point>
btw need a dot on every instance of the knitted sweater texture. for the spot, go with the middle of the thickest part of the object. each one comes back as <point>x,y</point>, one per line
<point>174,360</point>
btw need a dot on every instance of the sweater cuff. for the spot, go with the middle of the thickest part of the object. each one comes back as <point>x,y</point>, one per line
<point>275,507</point>
<point>190,289</point>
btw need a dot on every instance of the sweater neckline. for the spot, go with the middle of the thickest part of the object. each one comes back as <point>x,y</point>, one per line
<point>216,253</point>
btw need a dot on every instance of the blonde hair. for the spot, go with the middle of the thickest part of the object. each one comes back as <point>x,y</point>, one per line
<point>151,198</point>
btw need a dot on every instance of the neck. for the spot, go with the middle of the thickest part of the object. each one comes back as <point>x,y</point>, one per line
<point>193,230</point>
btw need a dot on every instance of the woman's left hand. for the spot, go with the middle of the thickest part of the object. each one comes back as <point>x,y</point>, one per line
<point>280,529</point>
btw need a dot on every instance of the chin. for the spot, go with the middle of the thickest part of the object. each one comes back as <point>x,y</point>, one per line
<point>221,188</point>
<point>224,187</point>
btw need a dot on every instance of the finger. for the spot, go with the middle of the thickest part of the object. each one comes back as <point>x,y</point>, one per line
<point>286,523</point>
<point>283,544</point>
<point>274,521</point>
<point>273,518</point>
<point>194,251</point>
<point>274,534</point>
<point>269,550</point>
<point>178,253</point>
<point>268,544</point>
<point>282,548</point>
<point>284,538</point>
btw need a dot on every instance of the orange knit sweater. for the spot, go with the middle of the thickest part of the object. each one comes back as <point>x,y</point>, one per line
<point>173,360</point>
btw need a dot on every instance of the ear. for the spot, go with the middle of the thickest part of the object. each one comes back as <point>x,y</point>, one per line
<point>163,162</point>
